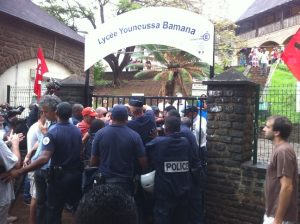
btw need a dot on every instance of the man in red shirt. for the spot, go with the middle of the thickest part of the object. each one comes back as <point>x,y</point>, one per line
<point>89,115</point>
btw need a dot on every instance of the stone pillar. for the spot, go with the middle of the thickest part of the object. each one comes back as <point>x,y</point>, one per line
<point>231,100</point>
<point>73,90</point>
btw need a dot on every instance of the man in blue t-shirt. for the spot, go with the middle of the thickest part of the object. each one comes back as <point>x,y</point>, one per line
<point>115,150</point>
<point>143,123</point>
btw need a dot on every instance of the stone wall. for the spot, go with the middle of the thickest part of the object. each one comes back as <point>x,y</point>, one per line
<point>235,187</point>
<point>73,91</point>
<point>19,42</point>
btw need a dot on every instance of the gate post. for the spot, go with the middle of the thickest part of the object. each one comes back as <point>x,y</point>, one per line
<point>8,89</point>
<point>231,104</point>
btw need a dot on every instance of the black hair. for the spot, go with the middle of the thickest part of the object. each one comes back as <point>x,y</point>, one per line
<point>173,113</point>
<point>64,111</point>
<point>106,204</point>
<point>96,125</point>
<point>168,108</point>
<point>283,125</point>
<point>172,124</point>
<point>186,121</point>
<point>76,108</point>
<point>34,115</point>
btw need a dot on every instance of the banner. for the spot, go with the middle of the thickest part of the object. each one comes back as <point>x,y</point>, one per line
<point>168,26</point>
<point>291,55</point>
<point>40,70</point>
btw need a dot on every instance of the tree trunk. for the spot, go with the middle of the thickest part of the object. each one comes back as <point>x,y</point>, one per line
<point>113,61</point>
<point>170,88</point>
<point>116,78</point>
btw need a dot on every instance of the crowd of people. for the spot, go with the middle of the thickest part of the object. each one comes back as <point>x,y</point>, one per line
<point>125,143</point>
<point>260,57</point>
<point>140,174</point>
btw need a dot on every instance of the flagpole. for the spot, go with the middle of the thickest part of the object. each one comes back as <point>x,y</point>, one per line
<point>87,88</point>
<point>212,67</point>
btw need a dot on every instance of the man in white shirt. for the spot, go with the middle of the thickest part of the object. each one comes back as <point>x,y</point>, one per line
<point>9,159</point>
<point>192,113</point>
<point>264,61</point>
<point>180,104</point>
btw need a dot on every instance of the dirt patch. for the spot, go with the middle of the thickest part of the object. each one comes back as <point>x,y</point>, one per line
<point>21,210</point>
<point>148,87</point>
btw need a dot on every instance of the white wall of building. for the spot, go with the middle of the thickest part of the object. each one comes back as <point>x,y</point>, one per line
<point>19,75</point>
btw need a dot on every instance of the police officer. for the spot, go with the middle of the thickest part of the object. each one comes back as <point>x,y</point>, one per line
<point>142,123</point>
<point>115,150</point>
<point>172,159</point>
<point>195,197</point>
<point>62,144</point>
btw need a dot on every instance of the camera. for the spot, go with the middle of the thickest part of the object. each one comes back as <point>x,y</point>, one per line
<point>7,111</point>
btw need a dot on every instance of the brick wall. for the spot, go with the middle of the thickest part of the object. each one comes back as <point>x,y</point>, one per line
<point>19,42</point>
<point>235,188</point>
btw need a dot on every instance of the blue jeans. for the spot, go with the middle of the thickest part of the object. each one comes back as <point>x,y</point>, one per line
<point>26,189</point>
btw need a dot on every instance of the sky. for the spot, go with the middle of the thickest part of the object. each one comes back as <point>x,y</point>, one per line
<point>233,11</point>
<point>237,8</point>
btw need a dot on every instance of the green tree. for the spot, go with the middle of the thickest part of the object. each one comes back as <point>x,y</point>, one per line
<point>226,42</point>
<point>174,69</point>
<point>68,11</point>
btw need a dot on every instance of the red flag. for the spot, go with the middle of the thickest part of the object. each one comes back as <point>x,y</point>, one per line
<point>291,55</point>
<point>40,70</point>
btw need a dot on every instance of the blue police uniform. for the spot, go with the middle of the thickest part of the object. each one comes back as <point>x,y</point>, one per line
<point>171,157</point>
<point>118,147</point>
<point>144,125</point>
<point>195,197</point>
<point>64,179</point>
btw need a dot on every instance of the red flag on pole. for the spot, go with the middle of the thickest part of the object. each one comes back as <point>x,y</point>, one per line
<point>40,70</point>
<point>291,55</point>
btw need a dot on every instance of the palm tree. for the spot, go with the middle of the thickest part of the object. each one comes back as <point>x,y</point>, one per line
<point>175,68</point>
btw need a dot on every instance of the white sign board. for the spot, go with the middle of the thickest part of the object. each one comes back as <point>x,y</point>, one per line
<point>168,26</point>
<point>137,94</point>
<point>198,86</point>
<point>298,97</point>
<point>199,92</point>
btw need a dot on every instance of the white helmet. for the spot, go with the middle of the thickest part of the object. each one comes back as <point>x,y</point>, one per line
<point>147,181</point>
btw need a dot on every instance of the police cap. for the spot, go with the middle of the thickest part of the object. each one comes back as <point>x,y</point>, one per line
<point>190,108</point>
<point>135,102</point>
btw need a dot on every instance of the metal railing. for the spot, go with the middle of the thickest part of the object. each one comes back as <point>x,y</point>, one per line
<point>108,101</point>
<point>277,100</point>
<point>21,95</point>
